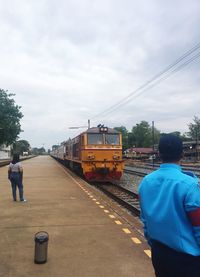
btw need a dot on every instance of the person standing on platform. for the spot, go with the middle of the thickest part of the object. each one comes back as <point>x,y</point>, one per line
<point>170,212</point>
<point>15,175</point>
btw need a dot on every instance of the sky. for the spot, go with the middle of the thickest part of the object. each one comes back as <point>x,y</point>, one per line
<point>68,61</point>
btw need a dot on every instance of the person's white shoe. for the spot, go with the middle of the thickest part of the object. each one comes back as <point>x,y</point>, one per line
<point>24,200</point>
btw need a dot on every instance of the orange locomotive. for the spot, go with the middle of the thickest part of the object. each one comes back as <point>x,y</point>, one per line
<point>96,153</point>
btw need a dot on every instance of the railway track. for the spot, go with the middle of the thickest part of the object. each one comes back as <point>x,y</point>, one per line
<point>134,172</point>
<point>142,171</point>
<point>123,196</point>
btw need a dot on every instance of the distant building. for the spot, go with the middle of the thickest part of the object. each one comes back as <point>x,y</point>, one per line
<point>191,150</point>
<point>5,152</point>
<point>139,152</point>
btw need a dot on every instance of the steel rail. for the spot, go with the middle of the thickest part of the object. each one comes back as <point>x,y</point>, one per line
<point>123,196</point>
<point>133,172</point>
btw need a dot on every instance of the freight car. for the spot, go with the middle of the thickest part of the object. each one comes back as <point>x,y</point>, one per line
<point>95,153</point>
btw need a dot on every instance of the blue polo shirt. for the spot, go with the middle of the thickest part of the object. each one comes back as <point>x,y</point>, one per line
<point>170,208</point>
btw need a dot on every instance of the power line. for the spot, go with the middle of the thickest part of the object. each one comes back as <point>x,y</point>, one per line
<point>155,83</point>
<point>156,79</point>
<point>141,88</point>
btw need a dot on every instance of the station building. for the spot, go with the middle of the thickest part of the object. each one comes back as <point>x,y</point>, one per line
<point>191,151</point>
<point>5,152</point>
<point>139,152</point>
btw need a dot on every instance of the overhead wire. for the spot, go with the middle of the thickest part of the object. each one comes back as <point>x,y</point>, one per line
<point>155,80</point>
<point>152,80</point>
<point>155,83</point>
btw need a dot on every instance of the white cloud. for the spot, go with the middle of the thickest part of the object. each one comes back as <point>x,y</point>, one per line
<point>67,61</point>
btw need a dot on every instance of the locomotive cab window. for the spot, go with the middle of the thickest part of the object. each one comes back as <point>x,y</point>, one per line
<point>112,139</point>
<point>95,138</point>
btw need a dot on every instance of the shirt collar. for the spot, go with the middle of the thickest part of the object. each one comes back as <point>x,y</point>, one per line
<point>169,165</point>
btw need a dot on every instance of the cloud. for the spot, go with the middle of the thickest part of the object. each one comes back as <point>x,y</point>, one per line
<point>68,61</point>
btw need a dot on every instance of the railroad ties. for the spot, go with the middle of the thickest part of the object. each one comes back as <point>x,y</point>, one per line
<point>123,196</point>
<point>141,170</point>
<point>130,199</point>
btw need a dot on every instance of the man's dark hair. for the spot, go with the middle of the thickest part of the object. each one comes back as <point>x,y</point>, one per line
<point>15,158</point>
<point>170,148</point>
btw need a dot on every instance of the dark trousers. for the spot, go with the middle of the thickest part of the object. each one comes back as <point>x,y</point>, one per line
<point>15,179</point>
<point>170,263</point>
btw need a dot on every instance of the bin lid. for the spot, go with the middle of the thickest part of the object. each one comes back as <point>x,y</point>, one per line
<point>41,236</point>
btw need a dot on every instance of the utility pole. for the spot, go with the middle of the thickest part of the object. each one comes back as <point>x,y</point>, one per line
<point>88,123</point>
<point>197,154</point>
<point>153,141</point>
<point>0,131</point>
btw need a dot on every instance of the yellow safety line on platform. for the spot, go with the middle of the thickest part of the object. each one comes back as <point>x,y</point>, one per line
<point>111,216</point>
<point>77,183</point>
<point>126,230</point>
<point>148,253</point>
<point>118,222</point>
<point>136,240</point>
<point>69,175</point>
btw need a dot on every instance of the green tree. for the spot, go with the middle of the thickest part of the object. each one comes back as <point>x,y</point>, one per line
<point>10,116</point>
<point>131,140</point>
<point>124,132</point>
<point>183,137</point>
<point>21,146</point>
<point>35,151</point>
<point>38,151</point>
<point>41,151</point>
<point>55,146</point>
<point>142,135</point>
<point>194,129</point>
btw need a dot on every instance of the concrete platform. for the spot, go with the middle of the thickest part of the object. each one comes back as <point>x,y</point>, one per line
<point>86,237</point>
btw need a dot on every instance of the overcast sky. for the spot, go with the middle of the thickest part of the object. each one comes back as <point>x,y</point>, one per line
<point>68,61</point>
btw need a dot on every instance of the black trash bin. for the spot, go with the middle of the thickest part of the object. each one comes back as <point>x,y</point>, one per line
<point>41,247</point>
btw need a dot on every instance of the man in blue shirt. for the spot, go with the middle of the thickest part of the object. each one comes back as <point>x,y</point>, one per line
<point>170,212</point>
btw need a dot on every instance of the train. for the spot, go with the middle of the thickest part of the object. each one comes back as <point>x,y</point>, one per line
<point>95,153</point>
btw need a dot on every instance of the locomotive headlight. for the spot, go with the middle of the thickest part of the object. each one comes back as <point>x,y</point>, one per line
<point>103,129</point>
<point>91,157</point>
<point>116,157</point>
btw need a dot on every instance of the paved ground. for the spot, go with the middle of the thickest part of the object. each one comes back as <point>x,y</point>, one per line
<point>84,239</point>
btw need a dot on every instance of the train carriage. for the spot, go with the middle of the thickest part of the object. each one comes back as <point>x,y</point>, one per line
<point>96,153</point>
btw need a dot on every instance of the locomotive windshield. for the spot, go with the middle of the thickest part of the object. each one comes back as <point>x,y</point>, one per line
<point>95,138</point>
<point>112,139</point>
